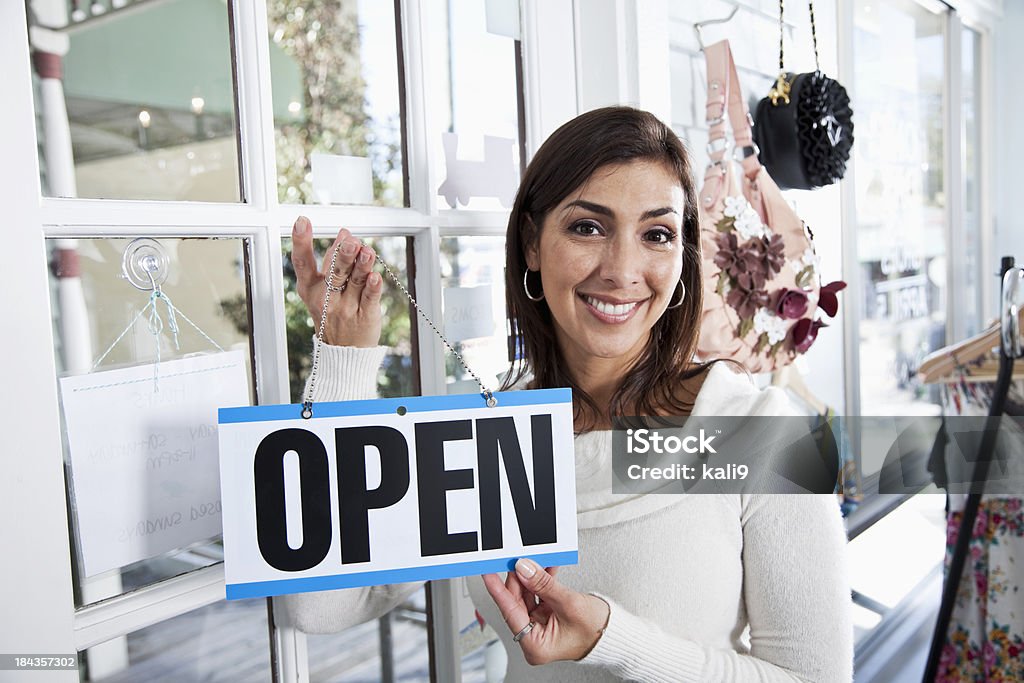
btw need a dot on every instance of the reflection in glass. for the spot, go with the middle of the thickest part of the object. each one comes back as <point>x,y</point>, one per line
<point>473,281</point>
<point>477,105</point>
<point>337,110</point>
<point>224,641</point>
<point>392,648</point>
<point>94,306</point>
<point>971,113</point>
<point>136,101</point>
<point>398,376</point>
<point>902,228</point>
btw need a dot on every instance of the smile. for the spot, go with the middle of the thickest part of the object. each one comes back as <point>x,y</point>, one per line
<point>609,312</point>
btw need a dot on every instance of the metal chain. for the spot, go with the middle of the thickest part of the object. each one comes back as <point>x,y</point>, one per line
<point>307,404</point>
<point>814,36</point>
<point>782,34</point>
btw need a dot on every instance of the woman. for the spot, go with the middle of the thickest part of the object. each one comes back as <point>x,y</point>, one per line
<point>603,277</point>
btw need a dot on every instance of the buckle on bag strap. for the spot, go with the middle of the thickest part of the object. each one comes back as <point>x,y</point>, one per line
<point>745,152</point>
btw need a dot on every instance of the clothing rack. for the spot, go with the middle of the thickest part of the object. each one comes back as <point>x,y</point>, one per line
<point>1009,351</point>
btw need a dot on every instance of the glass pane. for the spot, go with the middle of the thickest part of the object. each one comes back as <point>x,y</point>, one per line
<point>337,108</point>
<point>145,426</point>
<point>142,105</point>
<point>398,376</point>
<point>899,83</point>
<point>473,282</point>
<point>224,641</point>
<point>971,112</point>
<point>476,103</point>
<point>912,539</point>
<point>392,648</point>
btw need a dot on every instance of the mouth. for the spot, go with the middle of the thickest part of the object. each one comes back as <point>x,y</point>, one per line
<point>611,311</point>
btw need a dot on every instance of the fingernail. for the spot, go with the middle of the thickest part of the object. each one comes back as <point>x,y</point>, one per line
<point>296,229</point>
<point>373,279</point>
<point>364,256</point>
<point>348,247</point>
<point>526,568</point>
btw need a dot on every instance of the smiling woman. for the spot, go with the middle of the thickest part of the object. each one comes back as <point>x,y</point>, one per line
<point>619,260</point>
<point>604,284</point>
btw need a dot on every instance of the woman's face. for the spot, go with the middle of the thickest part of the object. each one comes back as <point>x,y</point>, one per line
<point>610,258</point>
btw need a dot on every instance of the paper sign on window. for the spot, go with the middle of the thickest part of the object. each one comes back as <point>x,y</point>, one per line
<point>144,455</point>
<point>395,490</point>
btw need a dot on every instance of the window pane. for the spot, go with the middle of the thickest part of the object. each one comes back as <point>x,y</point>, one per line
<point>144,106</point>
<point>899,83</point>
<point>395,644</point>
<point>473,282</point>
<point>156,444</point>
<point>398,376</point>
<point>971,112</point>
<point>337,114</point>
<point>476,103</point>
<point>225,641</point>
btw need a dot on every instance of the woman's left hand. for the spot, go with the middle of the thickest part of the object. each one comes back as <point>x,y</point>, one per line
<point>567,624</point>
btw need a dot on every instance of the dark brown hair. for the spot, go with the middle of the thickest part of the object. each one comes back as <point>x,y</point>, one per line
<point>562,165</point>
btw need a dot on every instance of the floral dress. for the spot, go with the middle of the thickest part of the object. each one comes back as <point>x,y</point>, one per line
<point>986,633</point>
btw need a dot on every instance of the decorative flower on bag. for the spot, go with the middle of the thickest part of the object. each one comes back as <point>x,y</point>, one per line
<point>805,332</point>
<point>743,265</point>
<point>746,302</point>
<point>827,299</point>
<point>772,326</point>
<point>740,216</point>
<point>792,304</point>
<point>774,252</point>
<point>806,268</point>
<point>748,224</point>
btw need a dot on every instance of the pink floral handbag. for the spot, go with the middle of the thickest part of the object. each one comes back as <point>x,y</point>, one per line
<point>762,288</point>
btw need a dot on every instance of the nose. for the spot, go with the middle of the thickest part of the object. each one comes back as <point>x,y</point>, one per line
<point>621,261</point>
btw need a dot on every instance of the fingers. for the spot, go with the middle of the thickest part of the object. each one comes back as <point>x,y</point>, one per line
<point>541,583</point>
<point>303,260</point>
<point>361,270</point>
<point>511,606</point>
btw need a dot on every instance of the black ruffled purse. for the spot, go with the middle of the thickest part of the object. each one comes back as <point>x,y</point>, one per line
<point>804,127</point>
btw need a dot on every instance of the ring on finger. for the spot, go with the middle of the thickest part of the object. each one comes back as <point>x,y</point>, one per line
<point>523,631</point>
<point>339,288</point>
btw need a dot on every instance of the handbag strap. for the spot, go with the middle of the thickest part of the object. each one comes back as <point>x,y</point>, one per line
<point>782,35</point>
<point>725,100</point>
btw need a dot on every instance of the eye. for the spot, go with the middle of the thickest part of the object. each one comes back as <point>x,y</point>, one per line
<point>585,228</point>
<point>659,236</point>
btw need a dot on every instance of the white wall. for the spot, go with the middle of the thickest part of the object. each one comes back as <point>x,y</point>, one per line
<point>1008,137</point>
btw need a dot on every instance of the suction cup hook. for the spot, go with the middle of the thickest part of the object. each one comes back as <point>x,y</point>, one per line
<point>145,264</point>
<point>1012,290</point>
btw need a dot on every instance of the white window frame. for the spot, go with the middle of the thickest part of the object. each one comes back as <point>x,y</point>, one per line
<point>32,489</point>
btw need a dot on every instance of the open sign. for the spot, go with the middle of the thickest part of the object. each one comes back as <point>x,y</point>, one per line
<point>395,490</point>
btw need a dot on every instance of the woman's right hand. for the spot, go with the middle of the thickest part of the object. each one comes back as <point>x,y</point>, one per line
<point>353,316</point>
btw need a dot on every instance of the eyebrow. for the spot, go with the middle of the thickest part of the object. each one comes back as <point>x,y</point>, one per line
<point>605,211</point>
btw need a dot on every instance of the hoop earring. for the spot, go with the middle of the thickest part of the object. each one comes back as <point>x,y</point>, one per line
<point>526,288</point>
<point>682,296</point>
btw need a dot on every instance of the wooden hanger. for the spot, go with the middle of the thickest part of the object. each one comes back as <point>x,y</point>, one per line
<point>975,358</point>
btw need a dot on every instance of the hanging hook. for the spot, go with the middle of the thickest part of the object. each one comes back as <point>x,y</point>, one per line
<point>1011,312</point>
<point>699,26</point>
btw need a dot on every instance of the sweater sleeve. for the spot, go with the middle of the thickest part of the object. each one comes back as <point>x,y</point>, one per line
<point>797,599</point>
<point>345,373</point>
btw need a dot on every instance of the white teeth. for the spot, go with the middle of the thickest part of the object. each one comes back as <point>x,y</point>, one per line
<point>610,309</point>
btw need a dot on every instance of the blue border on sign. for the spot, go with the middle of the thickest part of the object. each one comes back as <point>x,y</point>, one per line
<point>380,406</point>
<point>265,589</point>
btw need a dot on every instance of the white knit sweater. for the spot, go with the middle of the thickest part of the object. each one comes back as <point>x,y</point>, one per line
<point>702,588</point>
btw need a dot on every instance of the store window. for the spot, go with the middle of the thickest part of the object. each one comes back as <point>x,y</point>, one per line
<point>140,324</point>
<point>338,128</point>
<point>899,85</point>
<point>477,104</point>
<point>136,100</point>
<point>971,115</point>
